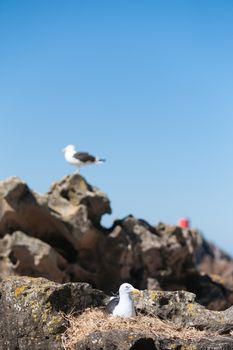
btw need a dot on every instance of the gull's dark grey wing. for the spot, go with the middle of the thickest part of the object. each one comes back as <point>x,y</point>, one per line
<point>112,304</point>
<point>84,157</point>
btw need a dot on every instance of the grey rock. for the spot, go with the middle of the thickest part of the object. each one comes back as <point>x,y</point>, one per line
<point>181,308</point>
<point>121,340</point>
<point>31,311</point>
<point>33,317</point>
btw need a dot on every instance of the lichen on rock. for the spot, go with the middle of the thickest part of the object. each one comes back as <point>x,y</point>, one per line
<point>58,237</point>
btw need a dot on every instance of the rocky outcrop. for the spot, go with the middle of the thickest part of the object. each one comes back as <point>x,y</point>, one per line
<point>40,314</point>
<point>59,236</point>
<point>24,255</point>
<point>181,308</point>
<point>123,340</point>
<point>165,257</point>
<point>214,262</point>
<point>71,192</point>
<point>32,310</point>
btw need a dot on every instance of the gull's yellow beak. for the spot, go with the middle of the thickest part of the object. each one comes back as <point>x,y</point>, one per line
<point>135,291</point>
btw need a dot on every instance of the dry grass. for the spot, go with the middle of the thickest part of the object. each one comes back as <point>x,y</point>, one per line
<point>92,320</point>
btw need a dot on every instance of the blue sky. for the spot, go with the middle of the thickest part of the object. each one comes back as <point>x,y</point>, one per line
<point>145,84</point>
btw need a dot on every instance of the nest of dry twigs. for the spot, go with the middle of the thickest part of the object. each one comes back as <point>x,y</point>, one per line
<point>93,320</point>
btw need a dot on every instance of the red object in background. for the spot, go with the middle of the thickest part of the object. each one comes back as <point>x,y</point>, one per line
<point>183,223</point>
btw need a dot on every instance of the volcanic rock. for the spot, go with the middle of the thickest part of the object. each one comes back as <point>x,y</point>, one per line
<point>21,254</point>
<point>37,314</point>
<point>59,236</point>
<point>32,310</point>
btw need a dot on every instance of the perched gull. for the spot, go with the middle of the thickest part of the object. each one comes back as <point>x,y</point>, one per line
<point>123,305</point>
<point>80,159</point>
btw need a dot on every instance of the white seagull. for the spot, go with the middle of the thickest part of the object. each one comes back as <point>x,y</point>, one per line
<point>123,305</point>
<point>80,159</point>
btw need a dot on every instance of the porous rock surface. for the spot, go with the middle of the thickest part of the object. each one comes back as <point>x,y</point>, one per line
<point>122,340</point>
<point>32,311</point>
<point>33,316</point>
<point>59,236</point>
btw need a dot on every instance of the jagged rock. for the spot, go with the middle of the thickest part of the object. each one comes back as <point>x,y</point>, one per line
<point>24,255</point>
<point>181,308</point>
<point>66,223</point>
<point>213,261</point>
<point>72,191</point>
<point>20,210</point>
<point>30,310</point>
<point>165,257</point>
<point>175,321</point>
<point>165,253</point>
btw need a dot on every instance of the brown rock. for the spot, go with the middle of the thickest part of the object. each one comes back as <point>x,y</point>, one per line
<point>164,257</point>
<point>213,261</point>
<point>24,255</point>
<point>20,210</point>
<point>68,220</point>
<point>72,191</point>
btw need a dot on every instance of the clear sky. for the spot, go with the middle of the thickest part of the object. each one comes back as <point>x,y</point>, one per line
<point>148,85</point>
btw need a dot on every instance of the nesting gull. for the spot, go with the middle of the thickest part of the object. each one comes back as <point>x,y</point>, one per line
<point>123,305</point>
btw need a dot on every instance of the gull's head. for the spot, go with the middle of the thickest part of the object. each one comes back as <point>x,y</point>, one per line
<point>127,288</point>
<point>69,148</point>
